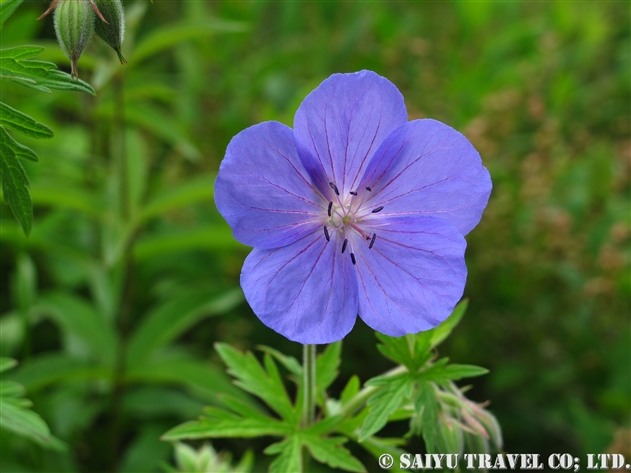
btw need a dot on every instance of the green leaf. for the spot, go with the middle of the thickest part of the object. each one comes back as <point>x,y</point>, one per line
<point>68,198</point>
<point>190,192</point>
<point>169,320</point>
<point>15,65</point>
<point>21,123</point>
<point>236,427</point>
<point>441,332</point>
<point>7,364</point>
<point>15,184</point>
<point>441,373</point>
<point>26,423</point>
<point>327,365</point>
<point>384,402</point>
<point>11,389</point>
<point>289,362</point>
<point>80,320</point>
<point>350,390</point>
<point>7,7</point>
<point>20,151</point>
<point>330,452</point>
<point>214,237</point>
<point>412,351</point>
<point>290,458</point>
<point>203,379</point>
<point>253,378</point>
<point>176,33</point>
<point>455,371</point>
<point>47,369</point>
<point>426,407</point>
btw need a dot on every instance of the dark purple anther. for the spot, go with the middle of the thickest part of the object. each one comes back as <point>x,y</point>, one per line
<point>372,242</point>
<point>326,234</point>
<point>344,245</point>
<point>334,187</point>
<point>378,209</point>
<point>330,207</point>
<point>353,258</point>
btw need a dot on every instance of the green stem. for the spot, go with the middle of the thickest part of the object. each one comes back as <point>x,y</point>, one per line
<point>309,383</point>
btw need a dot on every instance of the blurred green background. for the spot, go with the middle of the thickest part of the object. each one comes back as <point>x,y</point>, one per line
<point>113,304</point>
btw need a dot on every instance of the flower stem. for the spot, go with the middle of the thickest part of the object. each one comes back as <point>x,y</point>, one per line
<point>309,384</point>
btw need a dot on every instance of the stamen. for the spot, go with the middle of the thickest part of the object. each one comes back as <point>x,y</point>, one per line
<point>330,206</point>
<point>334,187</point>
<point>353,193</point>
<point>353,258</point>
<point>344,245</point>
<point>326,234</point>
<point>372,242</point>
<point>378,209</point>
<point>368,189</point>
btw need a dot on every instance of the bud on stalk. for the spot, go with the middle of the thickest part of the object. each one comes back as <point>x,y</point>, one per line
<point>112,30</point>
<point>74,24</point>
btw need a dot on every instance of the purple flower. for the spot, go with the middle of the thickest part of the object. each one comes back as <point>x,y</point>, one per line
<point>354,211</point>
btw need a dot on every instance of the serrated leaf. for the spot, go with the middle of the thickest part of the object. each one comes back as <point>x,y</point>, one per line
<point>327,364</point>
<point>350,390</point>
<point>7,363</point>
<point>331,452</point>
<point>26,423</point>
<point>15,185</point>
<point>456,371</point>
<point>290,458</point>
<point>426,407</point>
<point>441,372</point>
<point>16,65</point>
<point>441,332</point>
<point>253,378</point>
<point>412,350</point>
<point>289,362</point>
<point>7,7</point>
<point>385,402</point>
<point>234,427</point>
<point>20,150</point>
<point>21,123</point>
<point>242,408</point>
<point>167,321</point>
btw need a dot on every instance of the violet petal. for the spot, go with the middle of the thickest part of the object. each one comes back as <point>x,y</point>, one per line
<point>263,191</point>
<point>339,126</point>
<point>426,167</point>
<point>413,276</point>
<point>305,291</point>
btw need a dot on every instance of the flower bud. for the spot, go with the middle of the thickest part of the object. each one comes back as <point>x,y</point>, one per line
<point>74,24</point>
<point>112,30</point>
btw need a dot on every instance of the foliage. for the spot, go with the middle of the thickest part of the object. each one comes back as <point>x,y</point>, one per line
<point>420,388</point>
<point>541,89</point>
<point>15,415</point>
<point>17,65</point>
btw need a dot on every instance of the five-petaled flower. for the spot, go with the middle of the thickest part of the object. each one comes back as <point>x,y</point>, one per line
<point>354,211</point>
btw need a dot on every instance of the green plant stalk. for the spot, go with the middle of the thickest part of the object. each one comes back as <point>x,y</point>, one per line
<point>309,384</point>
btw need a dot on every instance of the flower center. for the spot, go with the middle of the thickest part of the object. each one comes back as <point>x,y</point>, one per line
<point>346,215</point>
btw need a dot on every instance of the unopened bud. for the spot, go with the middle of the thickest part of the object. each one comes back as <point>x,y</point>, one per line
<point>112,30</point>
<point>74,24</point>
